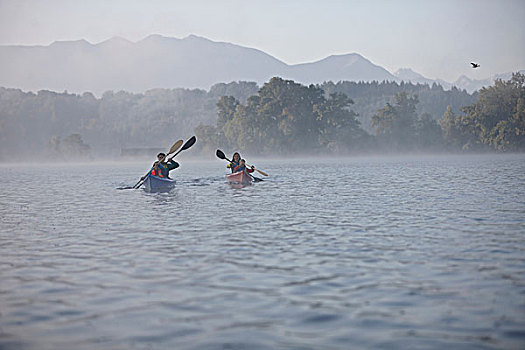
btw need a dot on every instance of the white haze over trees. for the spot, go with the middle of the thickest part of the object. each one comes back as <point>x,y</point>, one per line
<point>281,117</point>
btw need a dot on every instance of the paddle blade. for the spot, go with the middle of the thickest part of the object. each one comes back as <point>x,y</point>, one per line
<point>175,146</point>
<point>220,154</point>
<point>189,143</point>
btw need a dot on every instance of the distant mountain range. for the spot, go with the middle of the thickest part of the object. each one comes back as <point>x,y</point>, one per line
<point>463,82</point>
<point>192,62</point>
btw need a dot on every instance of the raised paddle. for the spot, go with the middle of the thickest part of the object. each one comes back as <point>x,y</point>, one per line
<point>220,155</point>
<point>191,141</point>
<point>175,147</point>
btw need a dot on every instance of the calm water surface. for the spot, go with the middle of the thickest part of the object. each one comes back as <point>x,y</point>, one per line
<point>359,253</point>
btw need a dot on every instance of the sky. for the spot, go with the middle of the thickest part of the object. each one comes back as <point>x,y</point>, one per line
<point>436,38</point>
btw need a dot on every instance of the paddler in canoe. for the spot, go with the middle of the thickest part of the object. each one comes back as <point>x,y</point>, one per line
<point>236,158</point>
<point>161,168</point>
<point>241,174</point>
<point>232,164</point>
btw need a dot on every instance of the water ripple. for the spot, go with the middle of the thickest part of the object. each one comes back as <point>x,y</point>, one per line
<point>390,253</point>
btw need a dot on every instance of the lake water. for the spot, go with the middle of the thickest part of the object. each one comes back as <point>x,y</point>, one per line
<point>356,253</point>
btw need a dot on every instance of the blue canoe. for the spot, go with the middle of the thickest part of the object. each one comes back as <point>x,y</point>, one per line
<point>158,184</point>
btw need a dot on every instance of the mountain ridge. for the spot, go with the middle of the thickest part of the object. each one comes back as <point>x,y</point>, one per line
<point>159,61</point>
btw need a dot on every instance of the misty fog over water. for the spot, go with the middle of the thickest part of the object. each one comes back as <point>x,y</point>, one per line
<point>364,252</point>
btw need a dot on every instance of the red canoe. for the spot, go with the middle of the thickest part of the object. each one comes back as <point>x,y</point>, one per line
<point>240,177</point>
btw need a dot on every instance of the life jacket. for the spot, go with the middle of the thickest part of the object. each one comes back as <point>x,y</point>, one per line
<point>159,170</point>
<point>233,166</point>
<point>239,168</point>
<point>243,168</point>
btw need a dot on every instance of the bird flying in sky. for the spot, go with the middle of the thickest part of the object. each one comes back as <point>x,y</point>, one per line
<point>474,65</point>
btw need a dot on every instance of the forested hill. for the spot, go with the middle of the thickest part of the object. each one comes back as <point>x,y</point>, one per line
<point>370,97</point>
<point>288,118</point>
<point>62,125</point>
<point>37,124</point>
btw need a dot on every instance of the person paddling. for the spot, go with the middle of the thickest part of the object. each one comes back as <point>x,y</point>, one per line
<point>242,167</point>
<point>236,158</point>
<point>161,168</point>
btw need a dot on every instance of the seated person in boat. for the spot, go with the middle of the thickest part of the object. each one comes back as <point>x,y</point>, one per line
<point>242,167</point>
<point>161,168</point>
<point>235,161</point>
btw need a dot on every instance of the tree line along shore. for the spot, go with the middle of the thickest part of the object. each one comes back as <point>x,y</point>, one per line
<point>282,117</point>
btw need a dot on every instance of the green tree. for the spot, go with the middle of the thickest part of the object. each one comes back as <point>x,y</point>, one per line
<point>395,124</point>
<point>208,137</point>
<point>429,136</point>
<point>286,117</point>
<point>496,119</point>
<point>451,133</point>
<point>225,110</point>
<point>338,127</point>
<point>74,146</point>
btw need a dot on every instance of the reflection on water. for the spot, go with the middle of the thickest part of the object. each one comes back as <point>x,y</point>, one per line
<point>390,253</point>
<point>239,186</point>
